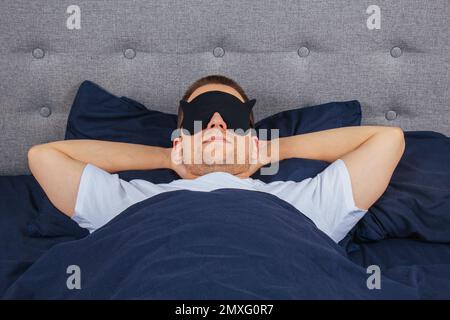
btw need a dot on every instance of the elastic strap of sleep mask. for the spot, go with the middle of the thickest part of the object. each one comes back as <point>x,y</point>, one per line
<point>218,97</point>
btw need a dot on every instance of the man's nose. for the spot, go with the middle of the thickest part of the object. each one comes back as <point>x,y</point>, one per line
<point>217,122</point>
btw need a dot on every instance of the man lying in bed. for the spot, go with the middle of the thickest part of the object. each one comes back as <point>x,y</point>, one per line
<point>78,175</point>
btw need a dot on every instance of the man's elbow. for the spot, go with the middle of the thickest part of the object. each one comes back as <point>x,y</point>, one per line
<point>36,154</point>
<point>397,136</point>
<point>34,151</point>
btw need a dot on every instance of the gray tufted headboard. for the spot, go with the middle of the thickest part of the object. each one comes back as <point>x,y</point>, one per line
<point>284,53</point>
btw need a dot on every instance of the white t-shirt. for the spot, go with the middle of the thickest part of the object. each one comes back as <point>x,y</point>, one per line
<point>326,199</point>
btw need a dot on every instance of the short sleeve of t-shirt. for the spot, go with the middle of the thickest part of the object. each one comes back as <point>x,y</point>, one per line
<point>102,196</point>
<point>326,199</point>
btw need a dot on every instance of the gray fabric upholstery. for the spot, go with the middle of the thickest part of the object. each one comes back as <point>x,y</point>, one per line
<point>284,54</point>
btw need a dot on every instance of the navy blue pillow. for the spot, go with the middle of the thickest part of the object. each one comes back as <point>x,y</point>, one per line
<point>98,114</point>
<point>314,118</point>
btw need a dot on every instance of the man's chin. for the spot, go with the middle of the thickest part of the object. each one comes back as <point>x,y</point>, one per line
<point>202,169</point>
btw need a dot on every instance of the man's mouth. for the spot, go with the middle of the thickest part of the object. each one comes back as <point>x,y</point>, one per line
<point>216,139</point>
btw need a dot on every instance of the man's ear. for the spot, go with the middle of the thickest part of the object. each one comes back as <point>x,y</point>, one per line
<point>176,141</point>
<point>176,153</point>
<point>254,149</point>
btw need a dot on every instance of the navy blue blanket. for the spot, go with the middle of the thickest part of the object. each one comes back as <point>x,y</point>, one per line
<point>29,226</point>
<point>240,245</point>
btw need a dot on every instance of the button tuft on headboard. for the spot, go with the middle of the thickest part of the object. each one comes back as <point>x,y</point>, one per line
<point>303,52</point>
<point>45,112</point>
<point>396,52</point>
<point>390,115</point>
<point>218,52</point>
<point>129,53</point>
<point>38,53</point>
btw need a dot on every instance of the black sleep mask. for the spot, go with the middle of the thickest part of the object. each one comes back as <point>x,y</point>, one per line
<point>234,112</point>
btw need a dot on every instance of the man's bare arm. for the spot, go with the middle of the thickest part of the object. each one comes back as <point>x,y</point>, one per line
<point>58,166</point>
<point>371,154</point>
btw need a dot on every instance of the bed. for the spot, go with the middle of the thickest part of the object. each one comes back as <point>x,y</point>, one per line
<point>287,54</point>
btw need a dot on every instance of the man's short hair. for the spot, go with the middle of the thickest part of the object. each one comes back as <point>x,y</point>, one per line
<point>214,79</point>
